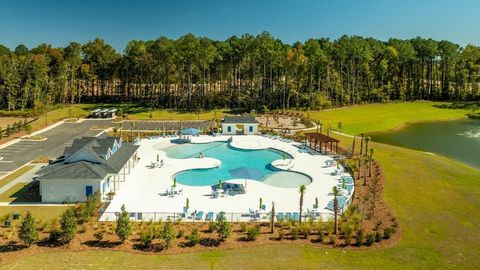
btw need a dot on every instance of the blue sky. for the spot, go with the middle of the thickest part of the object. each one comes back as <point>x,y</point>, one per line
<point>58,22</point>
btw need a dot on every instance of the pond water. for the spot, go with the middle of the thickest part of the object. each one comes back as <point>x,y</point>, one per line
<point>457,139</point>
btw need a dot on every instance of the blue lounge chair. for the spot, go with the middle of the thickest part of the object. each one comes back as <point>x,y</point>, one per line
<point>199,215</point>
<point>288,216</point>
<point>209,216</point>
<point>296,217</point>
<point>280,217</point>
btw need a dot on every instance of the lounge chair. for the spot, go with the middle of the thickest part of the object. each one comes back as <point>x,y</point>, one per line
<point>280,217</point>
<point>288,216</point>
<point>296,216</point>
<point>209,216</point>
<point>199,215</point>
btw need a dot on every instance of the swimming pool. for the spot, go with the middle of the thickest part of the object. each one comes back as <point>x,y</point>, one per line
<point>232,158</point>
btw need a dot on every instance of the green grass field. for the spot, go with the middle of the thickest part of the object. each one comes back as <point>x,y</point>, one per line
<point>436,200</point>
<point>14,175</point>
<point>380,117</point>
<point>39,212</point>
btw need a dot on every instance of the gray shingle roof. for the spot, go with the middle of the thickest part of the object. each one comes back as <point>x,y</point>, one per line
<point>240,119</point>
<point>82,169</point>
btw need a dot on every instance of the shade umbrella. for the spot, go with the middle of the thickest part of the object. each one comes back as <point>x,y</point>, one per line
<point>190,131</point>
<point>246,173</point>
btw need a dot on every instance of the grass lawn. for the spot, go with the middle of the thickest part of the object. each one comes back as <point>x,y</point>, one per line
<point>56,115</point>
<point>176,115</point>
<point>9,178</point>
<point>39,212</point>
<point>380,117</point>
<point>436,200</point>
<point>16,194</point>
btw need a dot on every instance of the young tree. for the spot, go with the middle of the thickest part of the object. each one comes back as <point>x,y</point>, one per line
<point>224,229</point>
<point>367,139</point>
<point>353,146</point>
<point>68,226</point>
<point>168,234</point>
<point>27,231</point>
<point>370,163</point>
<point>302,192</point>
<point>335,209</point>
<point>124,225</point>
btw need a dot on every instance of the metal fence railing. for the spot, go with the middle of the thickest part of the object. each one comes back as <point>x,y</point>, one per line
<point>200,216</point>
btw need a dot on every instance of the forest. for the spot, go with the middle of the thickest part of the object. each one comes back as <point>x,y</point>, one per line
<point>249,72</point>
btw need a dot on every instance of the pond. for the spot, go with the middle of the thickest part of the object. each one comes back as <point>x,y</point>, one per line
<point>457,139</point>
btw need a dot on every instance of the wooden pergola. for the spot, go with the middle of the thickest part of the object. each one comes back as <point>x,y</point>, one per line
<point>319,141</point>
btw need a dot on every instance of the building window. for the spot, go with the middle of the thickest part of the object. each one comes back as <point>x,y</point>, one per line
<point>250,129</point>
<point>88,190</point>
<point>229,129</point>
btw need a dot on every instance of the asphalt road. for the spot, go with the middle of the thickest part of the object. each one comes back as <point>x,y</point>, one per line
<point>58,138</point>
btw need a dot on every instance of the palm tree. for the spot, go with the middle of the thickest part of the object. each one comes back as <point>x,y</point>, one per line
<point>353,145</point>
<point>335,209</point>
<point>370,165</point>
<point>302,192</point>
<point>367,139</point>
<point>362,137</point>
<point>265,111</point>
<point>365,163</point>
<point>272,218</point>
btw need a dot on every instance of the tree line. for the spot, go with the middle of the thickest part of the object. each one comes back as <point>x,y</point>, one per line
<point>240,72</point>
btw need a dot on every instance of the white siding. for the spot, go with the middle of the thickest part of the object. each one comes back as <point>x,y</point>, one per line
<point>81,155</point>
<point>66,190</point>
<point>246,129</point>
<point>225,129</point>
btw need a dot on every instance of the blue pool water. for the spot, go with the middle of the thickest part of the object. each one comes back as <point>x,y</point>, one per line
<point>232,158</point>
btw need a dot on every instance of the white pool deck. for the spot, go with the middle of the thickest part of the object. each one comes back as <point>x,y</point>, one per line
<point>143,189</point>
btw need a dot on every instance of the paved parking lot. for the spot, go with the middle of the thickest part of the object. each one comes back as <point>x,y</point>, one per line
<point>58,138</point>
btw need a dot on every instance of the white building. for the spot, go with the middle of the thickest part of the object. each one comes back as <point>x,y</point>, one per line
<point>90,164</point>
<point>236,125</point>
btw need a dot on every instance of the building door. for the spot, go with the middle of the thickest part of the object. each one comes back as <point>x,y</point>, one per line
<point>88,190</point>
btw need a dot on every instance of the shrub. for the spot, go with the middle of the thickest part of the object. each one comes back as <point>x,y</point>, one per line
<point>124,225</point>
<point>168,234</point>
<point>147,235</point>
<point>281,233</point>
<point>387,233</point>
<point>180,233</point>
<point>224,229</point>
<point>98,236</point>
<point>370,239</point>
<point>243,227</point>
<point>359,238</point>
<point>378,236</point>
<point>27,231</point>
<point>333,239</point>
<point>83,228</point>
<point>194,238</point>
<point>253,233</point>
<point>294,233</point>
<point>212,226</point>
<point>305,231</point>
<point>68,226</point>
<point>55,235</point>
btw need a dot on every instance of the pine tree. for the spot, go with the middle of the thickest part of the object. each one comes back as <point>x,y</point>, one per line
<point>68,226</point>
<point>27,231</point>
<point>124,226</point>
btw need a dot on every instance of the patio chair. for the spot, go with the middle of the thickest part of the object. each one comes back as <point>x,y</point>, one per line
<point>209,216</point>
<point>280,217</point>
<point>296,216</point>
<point>199,215</point>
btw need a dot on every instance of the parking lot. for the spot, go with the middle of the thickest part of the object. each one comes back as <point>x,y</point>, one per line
<point>58,138</point>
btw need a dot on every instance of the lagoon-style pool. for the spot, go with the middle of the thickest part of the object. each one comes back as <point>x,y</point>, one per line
<point>233,158</point>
